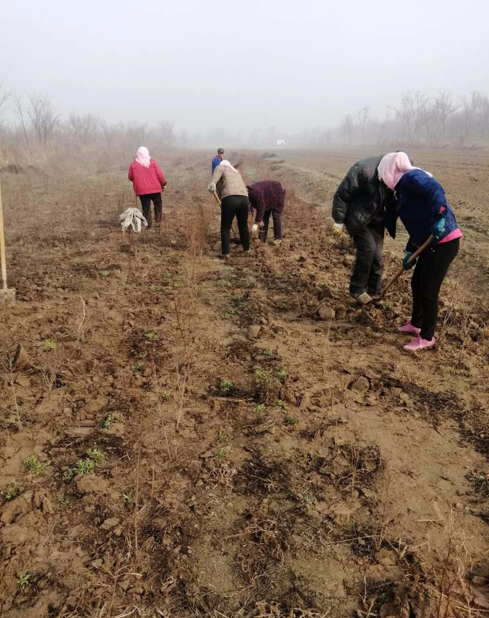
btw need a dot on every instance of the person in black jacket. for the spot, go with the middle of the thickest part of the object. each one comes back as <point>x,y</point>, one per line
<point>366,207</point>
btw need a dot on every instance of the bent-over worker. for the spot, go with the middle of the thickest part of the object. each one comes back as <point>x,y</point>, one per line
<point>424,210</point>
<point>366,207</point>
<point>267,197</point>
<point>231,189</point>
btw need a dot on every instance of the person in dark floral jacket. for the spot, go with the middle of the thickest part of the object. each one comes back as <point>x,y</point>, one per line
<point>267,198</point>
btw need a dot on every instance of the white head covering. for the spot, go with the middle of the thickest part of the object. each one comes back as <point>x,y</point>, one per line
<point>226,163</point>
<point>142,156</point>
<point>393,166</point>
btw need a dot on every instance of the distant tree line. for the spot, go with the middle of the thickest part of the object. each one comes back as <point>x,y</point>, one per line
<point>423,121</point>
<point>417,120</point>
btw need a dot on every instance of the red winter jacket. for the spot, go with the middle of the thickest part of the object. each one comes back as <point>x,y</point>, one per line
<point>146,180</point>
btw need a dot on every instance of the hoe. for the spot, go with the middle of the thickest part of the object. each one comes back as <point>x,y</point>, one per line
<point>426,244</point>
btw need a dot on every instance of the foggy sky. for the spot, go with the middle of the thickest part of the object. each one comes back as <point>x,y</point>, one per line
<point>241,65</point>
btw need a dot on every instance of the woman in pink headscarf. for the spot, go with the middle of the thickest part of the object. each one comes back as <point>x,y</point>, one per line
<point>424,210</point>
<point>148,182</point>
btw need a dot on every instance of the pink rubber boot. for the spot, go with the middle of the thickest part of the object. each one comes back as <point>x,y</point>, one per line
<point>409,328</point>
<point>419,344</point>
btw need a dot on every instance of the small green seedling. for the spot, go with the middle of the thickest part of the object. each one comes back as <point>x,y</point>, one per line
<point>226,387</point>
<point>157,288</point>
<point>63,502</point>
<point>109,420</point>
<point>138,366</point>
<point>166,396</point>
<point>282,375</point>
<point>260,407</point>
<point>268,352</point>
<point>104,273</point>
<point>96,455</point>
<point>84,466</point>
<point>10,493</point>
<point>151,336</point>
<point>291,420</point>
<point>221,436</point>
<point>282,405</point>
<point>220,453</point>
<point>238,304</point>
<point>128,498</point>
<point>261,376</point>
<point>35,466</point>
<point>24,581</point>
<point>49,344</point>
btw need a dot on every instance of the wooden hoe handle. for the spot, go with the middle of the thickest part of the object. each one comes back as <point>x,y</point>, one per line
<point>426,244</point>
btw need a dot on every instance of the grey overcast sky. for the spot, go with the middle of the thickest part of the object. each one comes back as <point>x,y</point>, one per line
<point>241,65</point>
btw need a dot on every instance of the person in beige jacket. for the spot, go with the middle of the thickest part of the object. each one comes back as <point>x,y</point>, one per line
<point>230,187</point>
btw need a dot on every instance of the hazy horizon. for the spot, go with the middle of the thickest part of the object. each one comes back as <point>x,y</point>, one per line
<point>241,67</point>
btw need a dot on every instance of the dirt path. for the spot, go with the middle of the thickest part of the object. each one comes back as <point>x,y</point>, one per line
<point>216,449</point>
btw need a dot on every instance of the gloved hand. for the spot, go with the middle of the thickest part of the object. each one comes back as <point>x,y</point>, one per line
<point>338,228</point>
<point>254,228</point>
<point>407,265</point>
<point>438,229</point>
<point>212,187</point>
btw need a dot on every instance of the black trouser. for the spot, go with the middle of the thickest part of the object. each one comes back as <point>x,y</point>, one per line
<point>146,204</point>
<point>277,224</point>
<point>234,206</point>
<point>429,273</point>
<point>369,265</point>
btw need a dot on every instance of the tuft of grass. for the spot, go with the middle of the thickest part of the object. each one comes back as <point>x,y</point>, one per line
<point>49,344</point>
<point>268,352</point>
<point>35,466</point>
<point>260,407</point>
<point>282,405</point>
<point>282,375</point>
<point>150,336</point>
<point>226,387</point>
<point>221,436</point>
<point>137,366</point>
<point>104,273</point>
<point>220,453</point>
<point>109,420</point>
<point>166,396</point>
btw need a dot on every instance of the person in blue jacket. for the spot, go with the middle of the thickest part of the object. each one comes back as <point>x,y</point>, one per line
<point>424,210</point>
<point>217,159</point>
